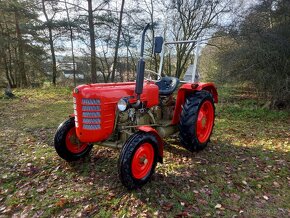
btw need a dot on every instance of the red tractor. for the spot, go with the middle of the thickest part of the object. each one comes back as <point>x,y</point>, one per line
<point>136,117</point>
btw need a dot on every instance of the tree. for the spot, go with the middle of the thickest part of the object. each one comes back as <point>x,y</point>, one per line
<point>49,24</point>
<point>260,51</point>
<point>20,50</point>
<point>118,41</point>
<point>92,42</point>
<point>69,25</point>
<point>193,20</point>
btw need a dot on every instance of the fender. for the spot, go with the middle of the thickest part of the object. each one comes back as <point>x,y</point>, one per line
<point>153,131</point>
<point>188,88</point>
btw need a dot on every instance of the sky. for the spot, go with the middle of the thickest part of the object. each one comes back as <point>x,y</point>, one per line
<point>80,46</point>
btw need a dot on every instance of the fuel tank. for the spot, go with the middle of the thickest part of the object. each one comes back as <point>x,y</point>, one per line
<point>95,107</point>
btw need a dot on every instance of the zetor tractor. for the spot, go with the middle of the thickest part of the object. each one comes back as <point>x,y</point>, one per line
<point>136,117</point>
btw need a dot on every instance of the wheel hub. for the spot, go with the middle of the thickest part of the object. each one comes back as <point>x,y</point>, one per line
<point>142,161</point>
<point>73,144</point>
<point>205,121</point>
<point>73,139</point>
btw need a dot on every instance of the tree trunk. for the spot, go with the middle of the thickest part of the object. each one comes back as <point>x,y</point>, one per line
<point>7,72</point>
<point>13,77</point>
<point>118,41</point>
<point>93,43</point>
<point>22,74</point>
<point>52,56</point>
<point>49,26</point>
<point>153,36</point>
<point>4,58</point>
<point>10,67</point>
<point>71,42</point>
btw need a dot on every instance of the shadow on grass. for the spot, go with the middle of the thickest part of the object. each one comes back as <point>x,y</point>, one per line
<point>237,177</point>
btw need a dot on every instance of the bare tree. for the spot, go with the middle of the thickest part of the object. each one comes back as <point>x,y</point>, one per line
<point>71,40</point>
<point>92,42</point>
<point>192,20</point>
<point>49,25</point>
<point>118,41</point>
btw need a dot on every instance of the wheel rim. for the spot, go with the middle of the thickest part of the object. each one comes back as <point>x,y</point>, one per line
<point>72,142</point>
<point>142,161</point>
<point>205,121</point>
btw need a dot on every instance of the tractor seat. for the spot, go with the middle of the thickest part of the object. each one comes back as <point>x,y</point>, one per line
<point>167,85</point>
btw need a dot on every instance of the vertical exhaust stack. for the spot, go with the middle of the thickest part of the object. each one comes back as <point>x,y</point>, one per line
<point>141,66</point>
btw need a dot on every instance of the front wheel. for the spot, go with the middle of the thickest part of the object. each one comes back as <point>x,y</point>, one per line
<point>138,160</point>
<point>197,121</point>
<point>66,143</point>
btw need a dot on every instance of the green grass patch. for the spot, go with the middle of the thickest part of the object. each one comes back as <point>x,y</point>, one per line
<point>244,171</point>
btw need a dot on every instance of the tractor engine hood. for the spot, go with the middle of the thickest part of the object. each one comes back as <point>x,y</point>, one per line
<point>95,107</point>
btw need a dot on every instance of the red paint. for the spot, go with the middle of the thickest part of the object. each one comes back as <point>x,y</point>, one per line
<point>186,89</point>
<point>70,140</point>
<point>149,129</point>
<point>109,94</point>
<point>142,161</point>
<point>205,121</point>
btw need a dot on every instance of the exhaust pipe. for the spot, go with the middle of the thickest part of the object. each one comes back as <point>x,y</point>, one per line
<point>141,66</point>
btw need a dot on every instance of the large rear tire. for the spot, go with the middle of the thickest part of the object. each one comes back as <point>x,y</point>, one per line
<point>197,121</point>
<point>67,144</point>
<point>138,160</point>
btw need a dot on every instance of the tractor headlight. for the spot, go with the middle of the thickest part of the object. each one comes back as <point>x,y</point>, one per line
<point>122,104</point>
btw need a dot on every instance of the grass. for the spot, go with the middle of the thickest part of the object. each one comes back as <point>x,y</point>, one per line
<point>244,172</point>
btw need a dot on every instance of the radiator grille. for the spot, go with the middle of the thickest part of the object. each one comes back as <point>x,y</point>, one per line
<point>89,101</point>
<point>90,114</point>
<point>90,108</point>
<point>91,120</point>
<point>91,127</point>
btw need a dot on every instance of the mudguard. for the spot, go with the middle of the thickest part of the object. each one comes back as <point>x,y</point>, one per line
<point>149,129</point>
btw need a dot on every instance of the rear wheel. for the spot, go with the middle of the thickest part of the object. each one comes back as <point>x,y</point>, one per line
<point>138,160</point>
<point>197,121</point>
<point>67,144</point>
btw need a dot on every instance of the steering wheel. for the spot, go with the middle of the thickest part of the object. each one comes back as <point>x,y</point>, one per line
<point>152,72</point>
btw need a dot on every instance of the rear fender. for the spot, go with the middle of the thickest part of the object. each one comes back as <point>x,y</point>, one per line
<point>160,145</point>
<point>188,88</point>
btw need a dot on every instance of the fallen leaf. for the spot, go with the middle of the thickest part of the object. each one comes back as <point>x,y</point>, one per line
<point>40,190</point>
<point>88,208</point>
<point>167,206</point>
<point>61,202</point>
<point>218,206</point>
<point>266,197</point>
<point>276,184</point>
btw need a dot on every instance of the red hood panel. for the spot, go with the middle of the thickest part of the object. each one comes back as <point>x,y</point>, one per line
<point>108,94</point>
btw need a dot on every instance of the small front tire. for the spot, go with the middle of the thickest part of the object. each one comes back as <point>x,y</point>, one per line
<point>138,160</point>
<point>67,144</point>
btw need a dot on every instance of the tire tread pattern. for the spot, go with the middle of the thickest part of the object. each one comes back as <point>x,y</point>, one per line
<point>126,156</point>
<point>188,119</point>
<point>60,144</point>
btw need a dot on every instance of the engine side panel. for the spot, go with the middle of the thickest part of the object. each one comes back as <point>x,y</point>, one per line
<point>95,107</point>
<point>188,88</point>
